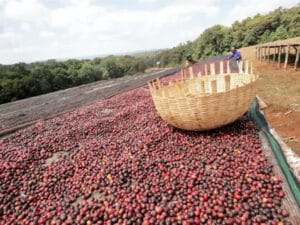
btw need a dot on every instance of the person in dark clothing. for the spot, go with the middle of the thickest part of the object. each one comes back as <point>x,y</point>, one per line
<point>189,60</point>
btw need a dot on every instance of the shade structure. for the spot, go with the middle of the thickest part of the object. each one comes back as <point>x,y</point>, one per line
<point>199,102</point>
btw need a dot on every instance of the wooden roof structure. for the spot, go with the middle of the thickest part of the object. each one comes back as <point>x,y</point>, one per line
<point>278,51</point>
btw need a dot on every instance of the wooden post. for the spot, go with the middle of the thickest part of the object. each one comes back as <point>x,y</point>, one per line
<point>279,56</point>
<point>221,68</point>
<point>256,51</point>
<point>205,69</point>
<point>286,56</point>
<point>265,53</point>
<point>297,58</point>
<point>268,54</point>
<point>274,55</point>
<point>260,53</point>
<point>158,83</point>
<point>212,69</point>
<point>240,66</point>
<point>228,71</point>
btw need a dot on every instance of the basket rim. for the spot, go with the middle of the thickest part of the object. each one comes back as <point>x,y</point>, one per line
<point>157,88</point>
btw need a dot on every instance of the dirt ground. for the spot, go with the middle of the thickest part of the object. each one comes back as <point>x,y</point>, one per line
<point>280,90</point>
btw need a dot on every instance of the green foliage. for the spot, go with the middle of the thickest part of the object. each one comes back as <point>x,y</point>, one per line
<point>111,67</point>
<point>211,42</point>
<point>89,73</point>
<point>291,21</point>
<point>21,80</point>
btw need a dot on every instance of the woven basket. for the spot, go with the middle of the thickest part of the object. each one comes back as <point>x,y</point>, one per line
<point>203,102</point>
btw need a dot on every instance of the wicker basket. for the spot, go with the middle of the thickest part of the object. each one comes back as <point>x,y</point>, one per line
<point>205,102</point>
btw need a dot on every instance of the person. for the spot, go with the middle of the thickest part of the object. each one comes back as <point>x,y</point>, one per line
<point>236,55</point>
<point>189,60</point>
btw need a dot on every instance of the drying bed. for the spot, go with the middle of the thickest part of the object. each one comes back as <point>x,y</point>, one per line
<point>117,162</point>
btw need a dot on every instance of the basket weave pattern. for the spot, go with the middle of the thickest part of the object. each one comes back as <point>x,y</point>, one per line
<point>203,102</point>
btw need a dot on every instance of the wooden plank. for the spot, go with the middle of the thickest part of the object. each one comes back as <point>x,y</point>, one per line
<point>221,68</point>
<point>158,83</point>
<point>205,69</point>
<point>212,69</point>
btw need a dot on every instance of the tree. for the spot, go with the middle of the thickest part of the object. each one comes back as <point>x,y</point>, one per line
<point>211,42</point>
<point>61,79</point>
<point>43,77</point>
<point>110,68</point>
<point>291,21</point>
<point>280,34</point>
<point>89,73</point>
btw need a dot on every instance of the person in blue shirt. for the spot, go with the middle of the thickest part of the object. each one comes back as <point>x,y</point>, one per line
<point>236,55</point>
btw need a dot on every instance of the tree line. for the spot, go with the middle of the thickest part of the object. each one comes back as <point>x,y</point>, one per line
<point>217,40</point>
<point>22,80</point>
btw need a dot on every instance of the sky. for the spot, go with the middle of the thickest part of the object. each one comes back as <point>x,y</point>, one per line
<point>35,30</point>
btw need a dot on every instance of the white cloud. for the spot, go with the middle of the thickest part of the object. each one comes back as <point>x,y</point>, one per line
<point>33,30</point>
<point>25,10</point>
<point>47,34</point>
<point>147,1</point>
<point>26,27</point>
<point>9,40</point>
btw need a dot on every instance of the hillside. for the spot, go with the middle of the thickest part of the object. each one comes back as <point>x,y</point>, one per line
<point>280,89</point>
